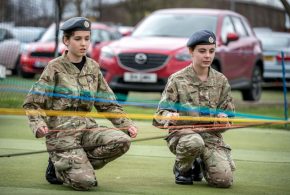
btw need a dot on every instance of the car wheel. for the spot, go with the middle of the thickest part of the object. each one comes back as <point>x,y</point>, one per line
<point>15,70</point>
<point>255,91</point>
<point>121,95</point>
<point>24,74</point>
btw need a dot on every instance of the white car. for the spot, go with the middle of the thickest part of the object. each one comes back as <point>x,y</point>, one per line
<point>12,40</point>
<point>274,43</point>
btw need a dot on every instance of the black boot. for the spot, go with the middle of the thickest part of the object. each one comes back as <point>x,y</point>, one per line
<point>50,174</point>
<point>196,170</point>
<point>183,178</point>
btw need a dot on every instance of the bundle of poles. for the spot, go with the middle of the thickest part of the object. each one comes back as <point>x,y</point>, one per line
<point>235,123</point>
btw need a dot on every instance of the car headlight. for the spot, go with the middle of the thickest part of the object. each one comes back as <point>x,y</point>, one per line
<point>107,52</point>
<point>183,55</point>
<point>24,48</point>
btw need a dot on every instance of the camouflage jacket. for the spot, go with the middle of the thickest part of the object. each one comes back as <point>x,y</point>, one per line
<point>186,94</point>
<point>63,87</point>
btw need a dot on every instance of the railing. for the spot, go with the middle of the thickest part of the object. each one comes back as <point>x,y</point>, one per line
<point>284,88</point>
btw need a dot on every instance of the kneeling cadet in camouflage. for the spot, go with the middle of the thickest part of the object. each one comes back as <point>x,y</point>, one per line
<point>74,82</point>
<point>197,90</point>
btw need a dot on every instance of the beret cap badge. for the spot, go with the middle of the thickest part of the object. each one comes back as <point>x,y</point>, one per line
<point>211,39</point>
<point>86,24</point>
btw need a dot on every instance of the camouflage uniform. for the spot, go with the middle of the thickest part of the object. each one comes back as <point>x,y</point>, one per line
<point>184,90</point>
<point>63,87</point>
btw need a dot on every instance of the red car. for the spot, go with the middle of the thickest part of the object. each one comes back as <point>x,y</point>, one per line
<point>157,48</point>
<point>35,56</point>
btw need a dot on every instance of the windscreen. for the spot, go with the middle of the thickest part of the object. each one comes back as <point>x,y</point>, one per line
<point>27,35</point>
<point>175,25</point>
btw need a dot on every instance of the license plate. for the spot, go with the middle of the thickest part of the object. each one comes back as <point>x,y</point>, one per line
<point>140,77</point>
<point>269,58</point>
<point>40,64</point>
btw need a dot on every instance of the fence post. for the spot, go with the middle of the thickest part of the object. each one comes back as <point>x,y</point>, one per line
<point>284,88</point>
<point>57,21</point>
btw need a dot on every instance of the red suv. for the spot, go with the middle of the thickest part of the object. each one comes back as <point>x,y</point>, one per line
<point>157,48</point>
<point>35,56</point>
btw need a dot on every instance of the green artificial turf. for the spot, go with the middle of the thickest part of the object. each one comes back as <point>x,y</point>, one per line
<point>262,157</point>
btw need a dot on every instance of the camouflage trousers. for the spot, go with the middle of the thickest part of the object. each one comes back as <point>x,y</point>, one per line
<point>75,167</point>
<point>217,165</point>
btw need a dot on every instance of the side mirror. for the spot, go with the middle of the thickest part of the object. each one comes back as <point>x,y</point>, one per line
<point>232,37</point>
<point>128,33</point>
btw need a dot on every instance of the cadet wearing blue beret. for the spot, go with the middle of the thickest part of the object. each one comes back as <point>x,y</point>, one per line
<point>202,37</point>
<point>198,91</point>
<point>77,74</point>
<point>76,23</point>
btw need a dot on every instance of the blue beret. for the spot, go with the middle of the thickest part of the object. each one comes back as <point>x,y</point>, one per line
<point>76,23</point>
<point>201,37</point>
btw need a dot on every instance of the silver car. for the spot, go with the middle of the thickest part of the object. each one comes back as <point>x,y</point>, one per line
<point>12,39</point>
<point>9,49</point>
<point>273,44</point>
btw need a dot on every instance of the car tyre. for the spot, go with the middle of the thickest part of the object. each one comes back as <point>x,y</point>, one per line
<point>24,74</point>
<point>255,91</point>
<point>15,70</point>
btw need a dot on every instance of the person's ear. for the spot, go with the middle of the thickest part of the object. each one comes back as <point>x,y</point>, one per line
<point>190,50</point>
<point>65,41</point>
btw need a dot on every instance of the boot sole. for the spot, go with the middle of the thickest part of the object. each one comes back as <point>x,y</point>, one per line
<point>183,183</point>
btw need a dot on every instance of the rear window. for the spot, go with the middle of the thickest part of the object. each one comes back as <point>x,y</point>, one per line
<point>175,25</point>
<point>274,42</point>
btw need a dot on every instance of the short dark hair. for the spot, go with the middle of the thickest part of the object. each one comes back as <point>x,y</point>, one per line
<point>67,34</point>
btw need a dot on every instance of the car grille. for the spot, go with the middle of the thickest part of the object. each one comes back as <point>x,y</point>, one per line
<point>43,54</point>
<point>153,62</point>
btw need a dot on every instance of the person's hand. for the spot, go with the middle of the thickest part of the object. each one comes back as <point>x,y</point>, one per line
<point>41,131</point>
<point>225,119</point>
<point>221,114</point>
<point>133,131</point>
<point>171,121</point>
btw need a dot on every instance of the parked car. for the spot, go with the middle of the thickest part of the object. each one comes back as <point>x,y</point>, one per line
<point>9,49</point>
<point>262,29</point>
<point>35,56</point>
<point>12,39</point>
<point>157,48</point>
<point>273,44</point>
<point>28,34</point>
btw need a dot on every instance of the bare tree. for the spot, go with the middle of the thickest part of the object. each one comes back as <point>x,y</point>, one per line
<point>286,6</point>
<point>100,9</point>
<point>5,13</point>
<point>78,4</point>
<point>62,5</point>
<point>136,10</point>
